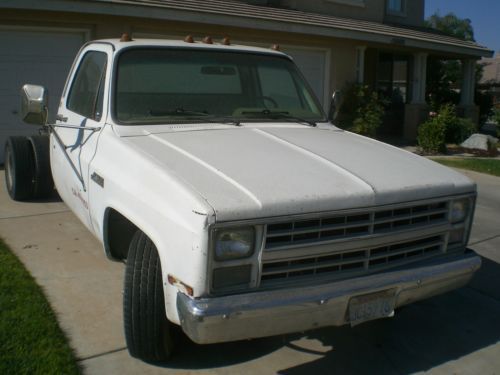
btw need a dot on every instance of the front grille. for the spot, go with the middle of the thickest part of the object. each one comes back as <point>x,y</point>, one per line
<point>340,264</point>
<point>287,234</point>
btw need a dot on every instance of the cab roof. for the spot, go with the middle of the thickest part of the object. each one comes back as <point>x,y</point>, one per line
<point>119,44</point>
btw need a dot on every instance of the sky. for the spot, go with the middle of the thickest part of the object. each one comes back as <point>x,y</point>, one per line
<point>484,14</point>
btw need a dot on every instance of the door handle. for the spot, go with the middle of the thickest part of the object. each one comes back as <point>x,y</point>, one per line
<point>61,118</point>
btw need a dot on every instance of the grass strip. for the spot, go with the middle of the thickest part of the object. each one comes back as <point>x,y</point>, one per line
<point>31,341</point>
<point>488,166</point>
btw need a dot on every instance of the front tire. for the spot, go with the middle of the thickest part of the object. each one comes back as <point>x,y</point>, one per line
<point>148,333</point>
<point>19,168</point>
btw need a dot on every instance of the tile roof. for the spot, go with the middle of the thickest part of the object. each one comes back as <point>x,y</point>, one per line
<point>236,9</point>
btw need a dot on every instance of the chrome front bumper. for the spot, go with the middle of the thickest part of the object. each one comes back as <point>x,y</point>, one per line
<point>268,313</point>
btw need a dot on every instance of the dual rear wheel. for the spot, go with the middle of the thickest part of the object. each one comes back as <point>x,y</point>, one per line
<point>149,334</point>
<point>27,168</point>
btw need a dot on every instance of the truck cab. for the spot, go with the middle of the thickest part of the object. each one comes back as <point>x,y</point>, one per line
<point>240,209</point>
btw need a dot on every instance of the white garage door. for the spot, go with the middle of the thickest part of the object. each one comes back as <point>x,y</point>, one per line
<point>313,64</point>
<point>37,57</point>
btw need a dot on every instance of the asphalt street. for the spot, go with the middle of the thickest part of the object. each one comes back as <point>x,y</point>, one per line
<point>457,333</point>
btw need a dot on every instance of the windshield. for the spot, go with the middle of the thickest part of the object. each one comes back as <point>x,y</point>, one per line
<point>164,85</point>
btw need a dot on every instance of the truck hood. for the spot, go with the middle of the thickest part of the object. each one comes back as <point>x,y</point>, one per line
<point>255,172</point>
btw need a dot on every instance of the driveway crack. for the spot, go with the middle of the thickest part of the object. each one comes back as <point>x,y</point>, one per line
<point>101,354</point>
<point>484,240</point>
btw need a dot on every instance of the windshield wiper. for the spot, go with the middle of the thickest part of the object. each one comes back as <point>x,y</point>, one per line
<point>196,114</point>
<point>280,115</point>
<point>176,112</point>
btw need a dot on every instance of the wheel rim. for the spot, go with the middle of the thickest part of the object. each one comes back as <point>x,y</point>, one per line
<point>8,169</point>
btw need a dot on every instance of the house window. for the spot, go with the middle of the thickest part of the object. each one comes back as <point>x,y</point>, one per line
<point>396,6</point>
<point>392,77</point>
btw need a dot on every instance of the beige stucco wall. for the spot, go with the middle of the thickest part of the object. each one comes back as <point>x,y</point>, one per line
<point>413,15</point>
<point>342,53</point>
<point>371,10</point>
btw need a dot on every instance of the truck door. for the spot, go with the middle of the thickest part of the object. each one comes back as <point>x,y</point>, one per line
<point>83,110</point>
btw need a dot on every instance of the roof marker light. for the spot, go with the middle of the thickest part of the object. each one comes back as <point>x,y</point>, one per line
<point>126,37</point>
<point>189,39</point>
<point>275,47</point>
<point>208,40</point>
<point>226,41</point>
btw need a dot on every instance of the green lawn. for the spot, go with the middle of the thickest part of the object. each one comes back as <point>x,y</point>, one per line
<point>31,341</point>
<point>489,166</point>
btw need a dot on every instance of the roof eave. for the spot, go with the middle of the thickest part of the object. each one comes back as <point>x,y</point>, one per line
<point>150,11</point>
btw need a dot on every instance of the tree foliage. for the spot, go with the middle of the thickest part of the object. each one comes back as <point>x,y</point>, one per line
<point>450,24</point>
<point>445,76</point>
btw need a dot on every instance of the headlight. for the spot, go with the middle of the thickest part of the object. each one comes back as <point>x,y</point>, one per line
<point>459,210</point>
<point>236,243</point>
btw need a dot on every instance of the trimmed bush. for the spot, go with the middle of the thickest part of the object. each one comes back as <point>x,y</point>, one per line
<point>431,136</point>
<point>459,130</point>
<point>362,110</point>
<point>497,120</point>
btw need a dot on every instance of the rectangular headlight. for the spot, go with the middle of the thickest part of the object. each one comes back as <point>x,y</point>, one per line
<point>459,210</point>
<point>234,243</point>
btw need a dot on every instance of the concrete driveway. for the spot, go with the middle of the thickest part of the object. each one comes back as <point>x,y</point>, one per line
<point>455,333</point>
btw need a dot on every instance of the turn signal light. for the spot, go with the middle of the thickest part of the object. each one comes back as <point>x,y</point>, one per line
<point>186,289</point>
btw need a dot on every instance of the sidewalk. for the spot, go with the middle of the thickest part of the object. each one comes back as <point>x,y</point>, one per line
<point>455,333</point>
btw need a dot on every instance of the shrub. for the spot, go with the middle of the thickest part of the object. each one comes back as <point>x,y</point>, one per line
<point>362,110</point>
<point>484,101</point>
<point>497,120</point>
<point>465,129</point>
<point>431,136</point>
<point>457,129</point>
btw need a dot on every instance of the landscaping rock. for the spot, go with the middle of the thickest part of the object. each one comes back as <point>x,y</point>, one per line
<point>481,144</point>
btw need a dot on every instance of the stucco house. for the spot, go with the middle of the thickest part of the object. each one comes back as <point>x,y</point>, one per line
<point>491,77</point>
<point>378,42</point>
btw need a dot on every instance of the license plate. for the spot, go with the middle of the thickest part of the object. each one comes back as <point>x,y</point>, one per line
<point>371,306</point>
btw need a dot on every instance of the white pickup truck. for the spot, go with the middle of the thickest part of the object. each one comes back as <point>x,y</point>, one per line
<point>240,209</point>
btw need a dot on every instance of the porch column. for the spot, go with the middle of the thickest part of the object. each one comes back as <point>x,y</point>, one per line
<point>467,107</point>
<point>419,78</point>
<point>360,64</point>
<point>468,82</point>
<point>417,111</point>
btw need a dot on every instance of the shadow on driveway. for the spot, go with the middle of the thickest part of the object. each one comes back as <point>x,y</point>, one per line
<point>420,336</point>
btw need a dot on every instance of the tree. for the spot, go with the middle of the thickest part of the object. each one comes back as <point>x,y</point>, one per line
<point>447,74</point>
<point>444,76</point>
<point>451,25</point>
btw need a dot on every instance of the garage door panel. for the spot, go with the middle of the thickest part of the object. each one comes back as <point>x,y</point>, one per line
<point>41,43</point>
<point>36,57</point>
<point>313,65</point>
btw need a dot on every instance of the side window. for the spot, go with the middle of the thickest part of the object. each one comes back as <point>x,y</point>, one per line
<point>86,93</point>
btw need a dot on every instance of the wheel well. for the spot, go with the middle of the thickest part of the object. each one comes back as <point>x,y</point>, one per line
<point>118,233</point>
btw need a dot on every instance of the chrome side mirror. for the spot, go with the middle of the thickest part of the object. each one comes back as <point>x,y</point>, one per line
<point>34,104</point>
<point>334,106</point>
